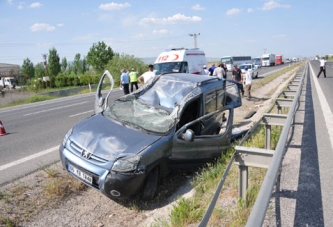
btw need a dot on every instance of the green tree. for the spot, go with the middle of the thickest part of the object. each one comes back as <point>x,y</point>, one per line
<point>54,67</point>
<point>99,55</point>
<point>125,61</point>
<point>39,70</point>
<point>84,65</point>
<point>28,68</point>
<point>63,64</point>
<point>77,65</point>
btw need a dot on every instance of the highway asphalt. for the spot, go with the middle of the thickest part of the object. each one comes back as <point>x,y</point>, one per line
<point>303,193</point>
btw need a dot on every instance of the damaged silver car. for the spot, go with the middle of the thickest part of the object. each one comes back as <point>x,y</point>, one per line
<point>176,120</point>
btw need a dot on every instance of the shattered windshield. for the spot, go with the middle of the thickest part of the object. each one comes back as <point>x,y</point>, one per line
<point>137,114</point>
<point>154,109</point>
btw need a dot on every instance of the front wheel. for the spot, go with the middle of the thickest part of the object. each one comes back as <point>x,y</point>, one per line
<point>150,185</point>
<point>257,75</point>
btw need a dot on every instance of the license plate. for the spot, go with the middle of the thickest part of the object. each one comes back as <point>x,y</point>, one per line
<point>80,174</point>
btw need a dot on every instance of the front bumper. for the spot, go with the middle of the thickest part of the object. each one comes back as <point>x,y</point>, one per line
<point>109,183</point>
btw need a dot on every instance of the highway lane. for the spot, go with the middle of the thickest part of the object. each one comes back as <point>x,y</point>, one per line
<point>265,71</point>
<point>37,130</point>
<point>321,146</point>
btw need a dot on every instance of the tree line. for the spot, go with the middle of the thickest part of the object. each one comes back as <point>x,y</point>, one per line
<point>83,70</point>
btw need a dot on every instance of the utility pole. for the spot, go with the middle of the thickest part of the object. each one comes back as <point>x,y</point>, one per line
<point>45,64</point>
<point>195,39</point>
<point>264,50</point>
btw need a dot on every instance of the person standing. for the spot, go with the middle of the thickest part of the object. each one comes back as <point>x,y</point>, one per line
<point>147,75</point>
<point>237,76</point>
<point>211,69</point>
<point>124,81</point>
<point>248,83</point>
<point>322,67</point>
<point>133,79</point>
<point>219,72</point>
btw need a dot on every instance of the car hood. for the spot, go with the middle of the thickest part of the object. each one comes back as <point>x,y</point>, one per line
<point>109,140</point>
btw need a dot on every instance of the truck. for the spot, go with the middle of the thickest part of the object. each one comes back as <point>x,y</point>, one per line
<point>181,60</point>
<point>7,82</point>
<point>268,60</point>
<point>278,60</point>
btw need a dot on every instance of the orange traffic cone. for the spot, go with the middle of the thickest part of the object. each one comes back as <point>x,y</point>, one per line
<point>2,129</point>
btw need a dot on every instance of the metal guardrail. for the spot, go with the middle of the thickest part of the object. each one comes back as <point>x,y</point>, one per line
<point>263,158</point>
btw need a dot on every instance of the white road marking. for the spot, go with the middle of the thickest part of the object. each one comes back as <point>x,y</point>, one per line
<point>61,107</point>
<point>28,158</point>
<point>81,113</point>
<point>328,116</point>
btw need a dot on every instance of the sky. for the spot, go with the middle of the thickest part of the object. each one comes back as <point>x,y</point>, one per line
<point>142,28</point>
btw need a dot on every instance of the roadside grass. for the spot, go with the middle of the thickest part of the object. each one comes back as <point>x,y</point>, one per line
<point>267,79</point>
<point>42,97</point>
<point>31,99</point>
<point>20,202</point>
<point>229,210</point>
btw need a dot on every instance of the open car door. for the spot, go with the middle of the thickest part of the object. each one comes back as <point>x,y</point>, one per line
<point>233,98</point>
<point>198,139</point>
<point>100,100</point>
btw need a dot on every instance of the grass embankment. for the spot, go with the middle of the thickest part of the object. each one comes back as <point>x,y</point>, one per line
<point>33,97</point>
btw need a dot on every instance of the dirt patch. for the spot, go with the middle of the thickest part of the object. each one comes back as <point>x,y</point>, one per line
<point>88,207</point>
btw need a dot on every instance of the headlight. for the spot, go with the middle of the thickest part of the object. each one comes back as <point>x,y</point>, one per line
<point>126,164</point>
<point>66,137</point>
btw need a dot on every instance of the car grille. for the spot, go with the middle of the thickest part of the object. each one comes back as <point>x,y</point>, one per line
<point>78,151</point>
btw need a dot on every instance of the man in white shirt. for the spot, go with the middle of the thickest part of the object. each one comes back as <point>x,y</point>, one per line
<point>322,67</point>
<point>147,75</point>
<point>248,83</point>
<point>219,71</point>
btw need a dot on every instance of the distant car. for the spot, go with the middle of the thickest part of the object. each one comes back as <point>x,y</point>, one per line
<point>251,67</point>
<point>176,120</point>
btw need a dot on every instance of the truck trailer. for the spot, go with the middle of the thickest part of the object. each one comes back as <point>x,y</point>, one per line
<point>268,60</point>
<point>278,60</point>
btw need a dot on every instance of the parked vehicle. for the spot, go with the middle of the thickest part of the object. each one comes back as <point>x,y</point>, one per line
<point>181,60</point>
<point>251,67</point>
<point>268,60</point>
<point>7,82</point>
<point>177,120</point>
<point>278,60</point>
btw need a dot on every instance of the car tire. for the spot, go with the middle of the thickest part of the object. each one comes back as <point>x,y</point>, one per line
<point>257,75</point>
<point>150,185</point>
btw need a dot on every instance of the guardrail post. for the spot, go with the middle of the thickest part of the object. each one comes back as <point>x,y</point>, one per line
<point>268,136</point>
<point>243,181</point>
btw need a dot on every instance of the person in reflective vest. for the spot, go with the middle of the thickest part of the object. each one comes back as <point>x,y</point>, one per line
<point>133,79</point>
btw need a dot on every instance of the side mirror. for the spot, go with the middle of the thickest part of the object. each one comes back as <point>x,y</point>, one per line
<point>188,135</point>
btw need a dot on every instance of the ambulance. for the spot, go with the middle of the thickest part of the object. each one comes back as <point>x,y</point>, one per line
<point>181,60</point>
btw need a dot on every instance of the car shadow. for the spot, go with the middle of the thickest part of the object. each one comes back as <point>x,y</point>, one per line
<point>176,184</point>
